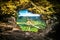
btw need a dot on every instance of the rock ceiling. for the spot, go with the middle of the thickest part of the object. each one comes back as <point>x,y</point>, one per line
<point>40,6</point>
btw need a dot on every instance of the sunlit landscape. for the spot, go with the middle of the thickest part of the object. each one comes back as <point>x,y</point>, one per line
<point>30,22</point>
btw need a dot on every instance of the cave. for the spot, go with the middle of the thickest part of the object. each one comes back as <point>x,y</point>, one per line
<point>13,15</point>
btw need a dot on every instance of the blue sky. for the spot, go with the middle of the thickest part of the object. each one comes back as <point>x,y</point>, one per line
<point>26,13</point>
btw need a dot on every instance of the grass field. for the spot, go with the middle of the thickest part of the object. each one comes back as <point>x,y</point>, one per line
<point>32,29</point>
<point>26,27</point>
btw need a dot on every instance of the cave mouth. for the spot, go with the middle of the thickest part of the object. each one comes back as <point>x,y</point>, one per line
<point>29,21</point>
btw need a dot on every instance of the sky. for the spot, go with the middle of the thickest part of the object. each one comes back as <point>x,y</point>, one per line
<point>26,13</point>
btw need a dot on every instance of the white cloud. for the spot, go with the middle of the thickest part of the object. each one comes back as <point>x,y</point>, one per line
<point>30,14</point>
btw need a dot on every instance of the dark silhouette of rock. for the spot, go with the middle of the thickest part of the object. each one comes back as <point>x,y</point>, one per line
<point>13,32</point>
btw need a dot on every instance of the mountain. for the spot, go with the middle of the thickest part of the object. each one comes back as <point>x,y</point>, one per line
<point>30,17</point>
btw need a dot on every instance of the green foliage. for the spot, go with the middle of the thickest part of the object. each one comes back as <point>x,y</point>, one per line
<point>31,29</point>
<point>34,27</point>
